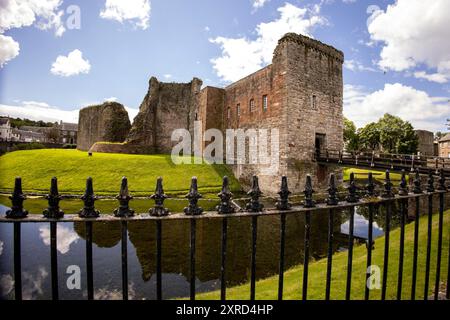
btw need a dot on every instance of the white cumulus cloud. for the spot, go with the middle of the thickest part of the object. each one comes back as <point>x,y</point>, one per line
<point>242,56</point>
<point>135,11</point>
<point>355,65</point>
<point>259,3</point>
<point>433,77</point>
<point>414,33</point>
<point>38,111</point>
<point>70,65</point>
<point>6,285</point>
<point>9,49</point>
<point>64,236</point>
<point>45,14</point>
<point>408,103</point>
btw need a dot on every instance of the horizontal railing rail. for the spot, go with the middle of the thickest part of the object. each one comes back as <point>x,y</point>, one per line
<point>383,161</point>
<point>355,196</point>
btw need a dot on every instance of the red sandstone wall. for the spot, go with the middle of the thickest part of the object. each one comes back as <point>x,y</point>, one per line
<point>270,81</point>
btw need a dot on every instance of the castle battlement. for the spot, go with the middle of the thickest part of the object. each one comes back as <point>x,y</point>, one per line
<point>312,44</point>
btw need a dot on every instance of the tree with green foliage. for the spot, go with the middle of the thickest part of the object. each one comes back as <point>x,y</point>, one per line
<point>18,122</point>
<point>350,137</point>
<point>409,141</point>
<point>397,135</point>
<point>52,134</point>
<point>391,133</point>
<point>369,136</point>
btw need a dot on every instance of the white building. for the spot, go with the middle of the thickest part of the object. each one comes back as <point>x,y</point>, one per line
<point>6,132</point>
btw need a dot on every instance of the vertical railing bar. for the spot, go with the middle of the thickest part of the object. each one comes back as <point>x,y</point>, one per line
<point>386,249</point>
<point>192,258</point>
<point>350,253</point>
<point>223,283</point>
<point>282,245</point>
<point>306,255</point>
<point>17,262</point>
<point>402,247</point>
<point>415,249</point>
<point>54,260</point>
<point>253,257</point>
<point>439,249</point>
<point>158,259</point>
<point>89,266</point>
<point>428,257</point>
<point>124,261</point>
<point>369,250</point>
<point>447,293</point>
<point>330,253</point>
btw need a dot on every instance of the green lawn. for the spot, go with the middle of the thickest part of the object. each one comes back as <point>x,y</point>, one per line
<point>72,167</point>
<point>268,288</point>
<point>362,174</point>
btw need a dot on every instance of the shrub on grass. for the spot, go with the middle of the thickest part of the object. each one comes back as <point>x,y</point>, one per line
<point>28,146</point>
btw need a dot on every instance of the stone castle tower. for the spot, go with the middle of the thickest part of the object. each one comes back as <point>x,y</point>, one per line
<point>300,94</point>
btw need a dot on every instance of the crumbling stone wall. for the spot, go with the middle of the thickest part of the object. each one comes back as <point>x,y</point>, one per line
<point>426,142</point>
<point>105,122</point>
<point>209,109</point>
<point>166,107</point>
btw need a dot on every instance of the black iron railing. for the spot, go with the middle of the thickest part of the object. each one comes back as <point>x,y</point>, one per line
<point>389,161</point>
<point>355,196</point>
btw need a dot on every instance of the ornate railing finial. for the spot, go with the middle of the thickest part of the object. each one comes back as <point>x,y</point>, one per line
<point>370,186</point>
<point>124,198</point>
<point>225,196</point>
<point>352,196</point>
<point>308,192</point>
<point>387,193</point>
<point>283,203</point>
<point>430,181</point>
<point>442,186</point>
<point>159,196</point>
<point>193,209</point>
<point>255,193</point>
<point>89,199</point>
<point>17,199</point>
<point>417,183</point>
<point>332,192</point>
<point>53,211</point>
<point>403,187</point>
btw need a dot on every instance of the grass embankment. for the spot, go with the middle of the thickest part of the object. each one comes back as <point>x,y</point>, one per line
<point>362,174</point>
<point>72,167</point>
<point>268,288</point>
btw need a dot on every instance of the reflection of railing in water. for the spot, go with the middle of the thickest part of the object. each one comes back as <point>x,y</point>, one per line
<point>226,211</point>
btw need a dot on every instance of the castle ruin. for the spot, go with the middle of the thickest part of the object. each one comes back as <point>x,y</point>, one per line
<point>300,94</point>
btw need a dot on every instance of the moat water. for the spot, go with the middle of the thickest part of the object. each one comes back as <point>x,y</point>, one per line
<point>175,250</point>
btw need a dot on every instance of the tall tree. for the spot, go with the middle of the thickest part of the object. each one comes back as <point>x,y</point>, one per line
<point>350,137</point>
<point>369,136</point>
<point>409,141</point>
<point>397,135</point>
<point>52,134</point>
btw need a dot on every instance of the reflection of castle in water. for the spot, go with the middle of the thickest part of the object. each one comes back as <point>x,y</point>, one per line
<point>175,241</point>
<point>175,244</point>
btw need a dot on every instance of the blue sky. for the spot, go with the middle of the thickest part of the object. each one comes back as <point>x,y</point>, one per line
<point>397,57</point>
